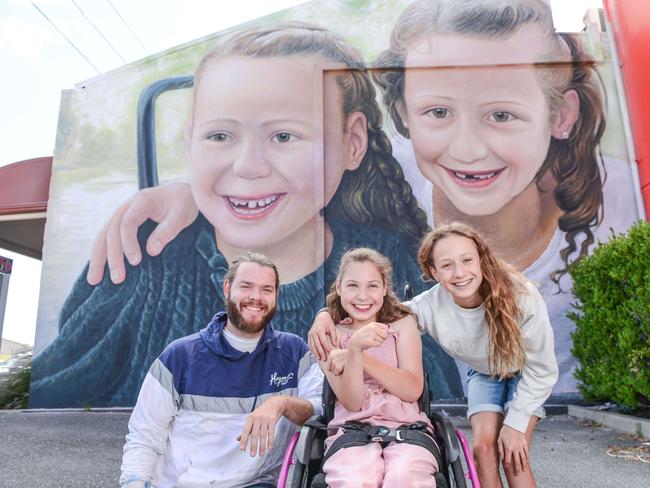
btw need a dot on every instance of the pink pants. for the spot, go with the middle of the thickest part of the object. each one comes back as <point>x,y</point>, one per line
<point>398,465</point>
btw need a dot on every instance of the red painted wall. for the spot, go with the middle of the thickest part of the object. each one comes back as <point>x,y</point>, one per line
<point>630,21</point>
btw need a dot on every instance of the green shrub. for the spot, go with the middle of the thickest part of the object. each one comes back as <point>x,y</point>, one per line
<point>612,317</point>
<point>14,386</point>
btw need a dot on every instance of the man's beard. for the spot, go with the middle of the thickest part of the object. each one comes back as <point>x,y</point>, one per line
<point>236,319</point>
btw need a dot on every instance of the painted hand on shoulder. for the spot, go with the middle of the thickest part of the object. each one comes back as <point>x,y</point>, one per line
<point>171,206</point>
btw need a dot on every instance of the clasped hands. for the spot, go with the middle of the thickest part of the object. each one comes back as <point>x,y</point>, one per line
<point>370,335</point>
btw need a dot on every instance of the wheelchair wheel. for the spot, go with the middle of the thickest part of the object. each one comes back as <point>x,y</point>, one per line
<point>295,476</point>
<point>441,480</point>
<point>458,474</point>
<point>318,481</point>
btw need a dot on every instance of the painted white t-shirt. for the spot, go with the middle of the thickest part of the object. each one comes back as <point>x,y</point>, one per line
<point>620,212</point>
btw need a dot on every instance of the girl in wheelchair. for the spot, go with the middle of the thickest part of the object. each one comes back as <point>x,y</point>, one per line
<point>487,315</point>
<point>382,437</point>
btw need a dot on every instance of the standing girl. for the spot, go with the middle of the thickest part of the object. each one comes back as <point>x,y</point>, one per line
<point>382,377</point>
<point>505,117</point>
<point>486,314</point>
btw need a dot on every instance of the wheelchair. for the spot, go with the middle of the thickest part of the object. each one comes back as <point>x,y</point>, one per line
<point>303,458</point>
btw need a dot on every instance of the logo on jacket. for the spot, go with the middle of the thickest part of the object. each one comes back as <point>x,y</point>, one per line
<point>280,380</point>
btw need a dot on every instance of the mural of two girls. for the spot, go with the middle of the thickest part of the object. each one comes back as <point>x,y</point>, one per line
<point>287,156</point>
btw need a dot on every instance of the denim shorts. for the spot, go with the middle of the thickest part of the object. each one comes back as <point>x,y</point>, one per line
<point>488,394</point>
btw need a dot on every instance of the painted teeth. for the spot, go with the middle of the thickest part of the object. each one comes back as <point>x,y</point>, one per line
<point>252,204</point>
<point>465,176</point>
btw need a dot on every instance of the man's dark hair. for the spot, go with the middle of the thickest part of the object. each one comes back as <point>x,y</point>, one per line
<point>252,257</point>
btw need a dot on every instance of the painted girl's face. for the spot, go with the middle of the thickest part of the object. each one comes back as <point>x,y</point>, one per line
<point>256,148</point>
<point>479,134</point>
<point>457,267</point>
<point>362,291</point>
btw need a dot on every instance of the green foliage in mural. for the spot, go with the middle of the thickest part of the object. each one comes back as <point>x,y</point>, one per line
<point>612,316</point>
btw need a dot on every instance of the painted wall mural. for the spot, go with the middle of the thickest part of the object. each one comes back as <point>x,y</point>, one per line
<point>331,125</point>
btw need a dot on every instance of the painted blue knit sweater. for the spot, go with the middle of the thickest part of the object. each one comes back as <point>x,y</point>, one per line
<point>110,334</point>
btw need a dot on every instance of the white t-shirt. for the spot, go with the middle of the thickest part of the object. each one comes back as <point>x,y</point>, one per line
<point>243,344</point>
<point>463,334</point>
<point>620,212</point>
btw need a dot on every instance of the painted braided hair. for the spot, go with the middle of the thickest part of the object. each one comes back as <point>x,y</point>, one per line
<point>573,162</point>
<point>499,290</point>
<point>376,193</point>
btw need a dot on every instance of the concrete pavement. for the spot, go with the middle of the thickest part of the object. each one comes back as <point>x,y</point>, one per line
<point>70,449</point>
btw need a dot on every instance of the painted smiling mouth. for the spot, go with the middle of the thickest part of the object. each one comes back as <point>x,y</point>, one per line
<point>474,176</point>
<point>252,206</point>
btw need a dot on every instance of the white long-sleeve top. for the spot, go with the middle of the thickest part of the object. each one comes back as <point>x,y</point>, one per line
<point>463,333</point>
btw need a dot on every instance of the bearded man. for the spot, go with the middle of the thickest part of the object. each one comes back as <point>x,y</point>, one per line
<point>236,386</point>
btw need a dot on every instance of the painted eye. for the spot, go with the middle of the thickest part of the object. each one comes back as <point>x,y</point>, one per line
<point>439,112</point>
<point>218,137</point>
<point>282,137</point>
<point>502,117</point>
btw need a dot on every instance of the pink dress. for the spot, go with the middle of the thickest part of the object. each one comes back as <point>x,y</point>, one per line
<point>379,406</point>
<point>369,466</point>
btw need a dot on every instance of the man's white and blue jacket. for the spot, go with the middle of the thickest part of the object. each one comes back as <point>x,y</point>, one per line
<point>194,402</point>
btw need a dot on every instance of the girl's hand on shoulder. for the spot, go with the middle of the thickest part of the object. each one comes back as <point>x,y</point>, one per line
<point>336,361</point>
<point>513,449</point>
<point>323,336</point>
<point>371,335</point>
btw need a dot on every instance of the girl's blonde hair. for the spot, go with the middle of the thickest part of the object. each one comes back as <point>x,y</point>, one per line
<point>574,162</point>
<point>499,290</point>
<point>376,193</point>
<point>391,310</point>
